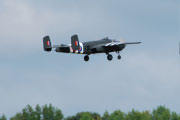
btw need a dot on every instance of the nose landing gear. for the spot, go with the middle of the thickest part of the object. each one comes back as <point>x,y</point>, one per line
<point>119,57</point>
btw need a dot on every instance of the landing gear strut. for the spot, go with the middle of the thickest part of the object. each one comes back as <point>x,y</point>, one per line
<point>109,57</point>
<point>86,58</point>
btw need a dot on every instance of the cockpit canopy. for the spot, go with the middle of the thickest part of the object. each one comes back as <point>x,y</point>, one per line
<point>113,40</point>
<point>106,38</point>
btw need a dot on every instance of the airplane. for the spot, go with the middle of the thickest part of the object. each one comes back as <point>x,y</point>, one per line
<point>104,45</point>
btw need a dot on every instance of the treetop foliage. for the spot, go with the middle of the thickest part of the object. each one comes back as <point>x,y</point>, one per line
<point>48,112</point>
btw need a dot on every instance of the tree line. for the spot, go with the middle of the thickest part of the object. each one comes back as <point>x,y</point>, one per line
<point>48,112</point>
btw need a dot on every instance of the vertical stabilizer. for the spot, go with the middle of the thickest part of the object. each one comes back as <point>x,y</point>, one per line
<point>75,42</point>
<point>47,43</point>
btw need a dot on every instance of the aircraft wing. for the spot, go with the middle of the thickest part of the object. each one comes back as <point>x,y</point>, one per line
<point>126,43</point>
<point>120,43</point>
<point>112,44</point>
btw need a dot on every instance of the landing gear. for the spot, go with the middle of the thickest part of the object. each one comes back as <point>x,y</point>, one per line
<point>119,57</point>
<point>86,58</point>
<point>109,57</point>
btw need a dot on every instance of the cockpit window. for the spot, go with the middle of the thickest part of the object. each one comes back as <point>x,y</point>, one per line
<point>106,38</point>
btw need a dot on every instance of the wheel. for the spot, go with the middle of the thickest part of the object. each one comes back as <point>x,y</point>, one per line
<point>86,58</point>
<point>119,57</point>
<point>109,57</point>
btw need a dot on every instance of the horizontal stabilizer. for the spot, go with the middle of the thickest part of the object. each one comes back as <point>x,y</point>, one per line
<point>58,46</point>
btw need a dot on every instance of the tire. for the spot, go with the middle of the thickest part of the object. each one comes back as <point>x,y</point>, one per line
<point>86,58</point>
<point>119,57</point>
<point>109,57</point>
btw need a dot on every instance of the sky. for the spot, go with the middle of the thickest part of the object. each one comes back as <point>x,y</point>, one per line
<point>147,76</point>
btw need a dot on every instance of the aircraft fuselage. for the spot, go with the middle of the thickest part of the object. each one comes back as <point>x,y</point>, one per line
<point>92,47</point>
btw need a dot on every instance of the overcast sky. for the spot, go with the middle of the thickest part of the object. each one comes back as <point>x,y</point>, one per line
<point>147,76</point>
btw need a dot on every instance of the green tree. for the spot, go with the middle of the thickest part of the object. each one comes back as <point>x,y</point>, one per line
<point>3,117</point>
<point>106,116</point>
<point>44,113</point>
<point>86,116</point>
<point>96,116</point>
<point>37,113</point>
<point>27,114</point>
<point>18,116</point>
<point>51,113</point>
<point>174,116</point>
<point>47,112</point>
<point>58,115</point>
<point>71,118</point>
<point>117,115</point>
<point>161,113</point>
<point>133,115</point>
<point>146,115</point>
<point>136,115</point>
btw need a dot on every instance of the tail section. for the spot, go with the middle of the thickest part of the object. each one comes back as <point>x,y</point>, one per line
<point>75,42</point>
<point>47,43</point>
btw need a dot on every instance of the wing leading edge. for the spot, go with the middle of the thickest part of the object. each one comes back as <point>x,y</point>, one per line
<point>132,43</point>
<point>121,43</point>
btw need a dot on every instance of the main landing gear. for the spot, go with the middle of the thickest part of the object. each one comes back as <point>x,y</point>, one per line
<point>110,57</point>
<point>86,58</point>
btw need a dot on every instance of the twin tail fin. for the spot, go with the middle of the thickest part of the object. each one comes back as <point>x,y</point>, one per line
<point>47,44</point>
<point>75,42</point>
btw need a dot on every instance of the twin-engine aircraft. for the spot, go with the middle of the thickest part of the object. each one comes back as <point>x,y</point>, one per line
<point>105,45</point>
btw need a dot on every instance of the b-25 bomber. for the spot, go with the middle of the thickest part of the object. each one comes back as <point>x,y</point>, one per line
<point>104,45</point>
